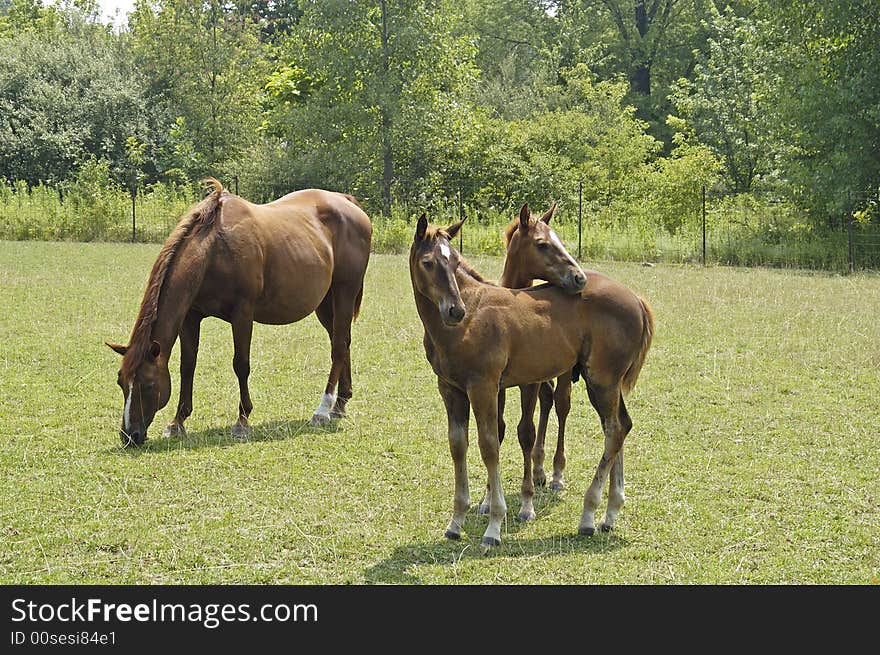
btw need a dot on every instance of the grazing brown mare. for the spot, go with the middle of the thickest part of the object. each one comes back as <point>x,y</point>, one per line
<point>535,251</point>
<point>274,263</point>
<point>481,338</point>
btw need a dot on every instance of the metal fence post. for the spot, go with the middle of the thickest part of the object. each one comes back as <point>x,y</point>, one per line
<point>704,225</point>
<point>235,182</point>
<point>461,218</point>
<point>580,215</point>
<point>133,190</point>
<point>849,233</point>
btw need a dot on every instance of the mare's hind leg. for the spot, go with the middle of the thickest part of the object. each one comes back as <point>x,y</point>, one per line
<point>189,348</point>
<point>342,300</point>
<point>526,433</point>
<point>242,329</point>
<point>616,425</point>
<point>458,409</point>
<point>324,312</point>
<point>562,403</point>
<point>545,396</point>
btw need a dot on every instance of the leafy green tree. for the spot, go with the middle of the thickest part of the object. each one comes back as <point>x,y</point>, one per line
<point>728,102</point>
<point>66,97</point>
<point>204,67</point>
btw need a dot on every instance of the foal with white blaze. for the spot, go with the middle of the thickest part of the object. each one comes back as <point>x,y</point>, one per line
<point>481,338</point>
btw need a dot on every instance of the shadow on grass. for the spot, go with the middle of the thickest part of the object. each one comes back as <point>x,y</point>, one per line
<point>400,567</point>
<point>221,437</point>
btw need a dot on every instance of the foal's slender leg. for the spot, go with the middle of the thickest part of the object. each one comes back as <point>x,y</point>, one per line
<point>189,348</point>
<point>483,507</point>
<point>242,329</point>
<point>545,396</point>
<point>484,400</point>
<point>615,486</point>
<point>342,300</point>
<point>526,433</point>
<point>607,401</point>
<point>562,403</point>
<point>458,409</point>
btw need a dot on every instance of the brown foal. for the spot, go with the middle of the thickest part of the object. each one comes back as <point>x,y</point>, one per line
<point>535,252</point>
<point>229,258</point>
<point>481,338</point>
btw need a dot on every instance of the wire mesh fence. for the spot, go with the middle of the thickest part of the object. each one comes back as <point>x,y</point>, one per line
<point>623,223</point>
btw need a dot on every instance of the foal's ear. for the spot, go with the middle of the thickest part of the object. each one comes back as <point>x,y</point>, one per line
<point>421,227</point>
<point>155,349</point>
<point>453,229</point>
<point>525,214</point>
<point>549,213</point>
<point>115,347</point>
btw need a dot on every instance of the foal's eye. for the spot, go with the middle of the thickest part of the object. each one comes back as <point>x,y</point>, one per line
<point>543,245</point>
<point>428,264</point>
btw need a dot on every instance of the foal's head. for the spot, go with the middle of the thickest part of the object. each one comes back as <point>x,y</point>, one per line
<point>535,251</point>
<point>432,265</point>
<point>146,387</point>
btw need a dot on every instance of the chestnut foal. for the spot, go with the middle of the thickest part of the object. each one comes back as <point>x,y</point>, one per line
<point>481,338</point>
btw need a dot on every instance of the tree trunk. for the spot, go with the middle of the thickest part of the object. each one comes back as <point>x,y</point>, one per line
<point>387,150</point>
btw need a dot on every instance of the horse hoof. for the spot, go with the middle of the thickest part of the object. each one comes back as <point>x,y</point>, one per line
<point>454,536</point>
<point>336,415</point>
<point>174,431</point>
<point>526,516</point>
<point>540,482</point>
<point>241,432</point>
<point>586,532</point>
<point>320,420</point>
<point>487,543</point>
<point>557,486</point>
<point>604,527</point>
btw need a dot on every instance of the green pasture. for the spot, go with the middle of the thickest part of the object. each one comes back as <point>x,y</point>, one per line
<point>754,457</point>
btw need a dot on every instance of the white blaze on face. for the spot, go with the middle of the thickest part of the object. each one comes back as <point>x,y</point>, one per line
<point>126,413</point>
<point>555,238</point>
<point>444,251</point>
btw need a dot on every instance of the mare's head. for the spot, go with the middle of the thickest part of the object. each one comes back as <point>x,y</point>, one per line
<point>535,251</point>
<point>432,265</point>
<point>146,387</point>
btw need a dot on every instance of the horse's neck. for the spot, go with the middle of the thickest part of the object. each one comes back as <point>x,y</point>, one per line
<point>180,288</point>
<point>512,277</point>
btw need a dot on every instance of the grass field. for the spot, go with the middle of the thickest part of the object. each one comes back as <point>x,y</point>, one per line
<point>754,457</point>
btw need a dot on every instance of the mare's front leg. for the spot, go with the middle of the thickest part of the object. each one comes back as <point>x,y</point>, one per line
<point>189,349</point>
<point>242,329</point>
<point>458,410</point>
<point>484,400</point>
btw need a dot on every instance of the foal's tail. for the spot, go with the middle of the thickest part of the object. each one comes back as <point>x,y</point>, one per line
<point>632,374</point>
<point>357,303</point>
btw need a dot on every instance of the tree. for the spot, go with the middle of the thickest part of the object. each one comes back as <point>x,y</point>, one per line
<point>66,97</point>
<point>204,67</point>
<point>728,103</point>
<point>380,95</point>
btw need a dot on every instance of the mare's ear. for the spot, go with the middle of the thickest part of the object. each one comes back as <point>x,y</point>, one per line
<point>549,213</point>
<point>453,229</point>
<point>155,349</point>
<point>421,227</point>
<point>115,347</point>
<point>525,215</point>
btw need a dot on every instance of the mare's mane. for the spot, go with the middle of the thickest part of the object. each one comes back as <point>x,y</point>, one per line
<point>196,220</point>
